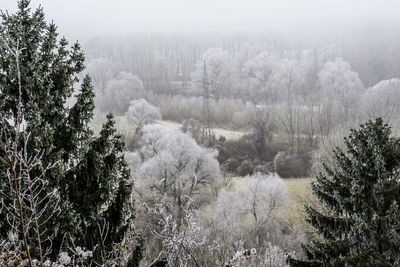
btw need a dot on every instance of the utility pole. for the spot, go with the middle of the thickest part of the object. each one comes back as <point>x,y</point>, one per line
<point>207,109</point>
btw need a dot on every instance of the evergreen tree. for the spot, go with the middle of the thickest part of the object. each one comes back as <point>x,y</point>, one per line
<point>361,194</point>
<point>91,173</point>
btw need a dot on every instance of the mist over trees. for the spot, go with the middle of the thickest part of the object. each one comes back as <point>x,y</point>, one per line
<point>260,70</point>
<point>291,104</point>
<point>198,149</point>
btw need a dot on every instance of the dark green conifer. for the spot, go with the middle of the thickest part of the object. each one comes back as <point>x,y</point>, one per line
<point>91,173</point>
<point>361,194</point>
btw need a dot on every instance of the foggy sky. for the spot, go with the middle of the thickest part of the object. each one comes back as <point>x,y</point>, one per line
<point>88,18</point>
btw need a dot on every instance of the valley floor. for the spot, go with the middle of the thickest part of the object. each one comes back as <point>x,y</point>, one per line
<point>228,134</point>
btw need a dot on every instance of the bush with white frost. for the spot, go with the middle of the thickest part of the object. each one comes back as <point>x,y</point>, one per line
<point>255,213</point>
<point>256,203</point>
<point>183,241</point>
<point>382,100</point>
<point>140,113</point>
<point>77,256</point>
<point>276,257</point>
<point>273,256</point>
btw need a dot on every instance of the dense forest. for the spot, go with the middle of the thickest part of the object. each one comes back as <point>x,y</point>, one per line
<point>184,149</point>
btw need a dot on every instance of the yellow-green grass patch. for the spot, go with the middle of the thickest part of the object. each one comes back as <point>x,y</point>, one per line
<point>299,190</point>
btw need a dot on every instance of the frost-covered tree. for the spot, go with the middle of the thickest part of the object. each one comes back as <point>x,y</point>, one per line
<point>101,70</point>
<point>218,71</point>
<point>382,100</point>
<point>183,242</point>
<point>359,224</point>
<point>262,72</point>
<point>274,76</point>
<point>290,78</point>
<point>175,173</point>
<point>276,257</point>
<point>273,256</point>
<point>257,199</point>
<point>337,79</point>
<point>262,132</point>
<point>119,92</point>
<point>90,172</point>
<point>340,84</point>
<point>175,166</point>
<point>140,113</point>
<point>253,212</point>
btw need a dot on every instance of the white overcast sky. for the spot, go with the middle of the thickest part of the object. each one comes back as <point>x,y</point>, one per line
<point>87,18</point>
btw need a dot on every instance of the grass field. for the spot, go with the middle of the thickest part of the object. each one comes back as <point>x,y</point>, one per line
<point>299,190</point>
<point>124,128</point>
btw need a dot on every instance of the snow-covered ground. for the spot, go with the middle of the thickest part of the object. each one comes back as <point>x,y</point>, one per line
<point>228,134</point>
<point>123,127</point>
